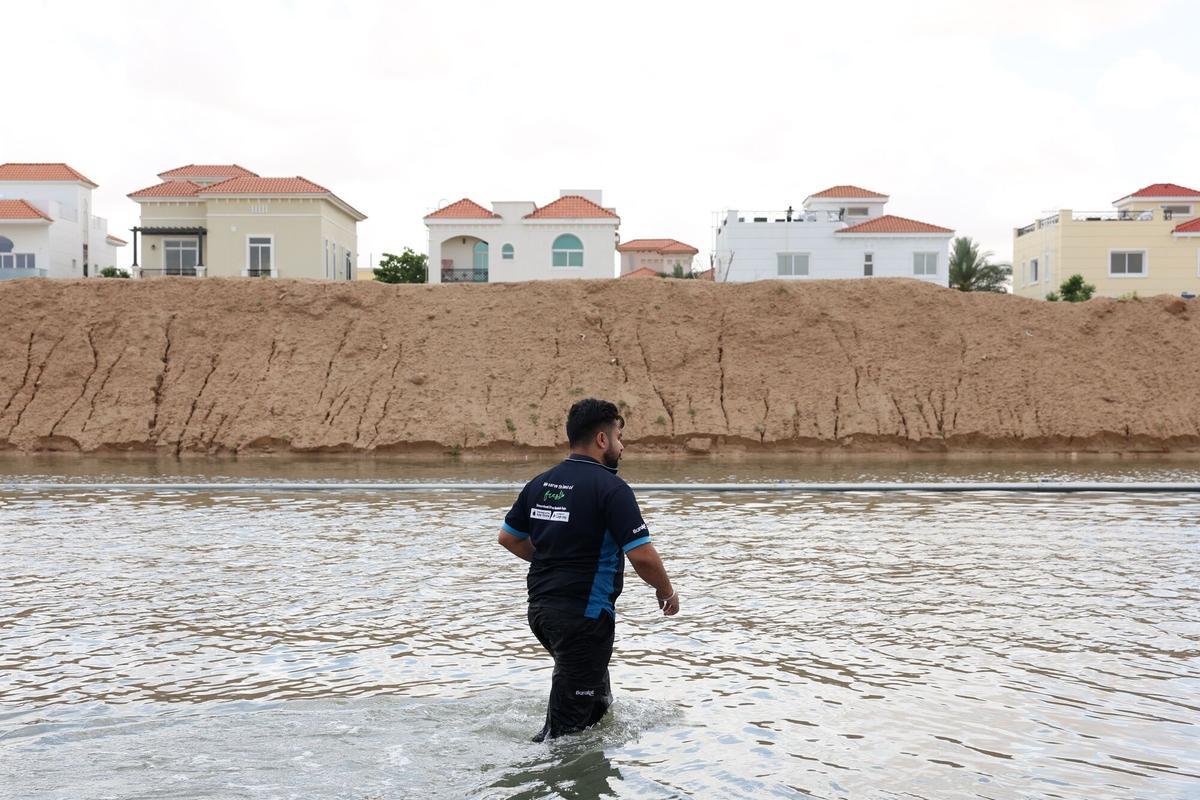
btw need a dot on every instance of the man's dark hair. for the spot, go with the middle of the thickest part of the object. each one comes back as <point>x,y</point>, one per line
<point>588,416</point>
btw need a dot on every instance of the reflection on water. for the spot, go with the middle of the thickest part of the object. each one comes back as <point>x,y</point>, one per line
<point>366,645</point>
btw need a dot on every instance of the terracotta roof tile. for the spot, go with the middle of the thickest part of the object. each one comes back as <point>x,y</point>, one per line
<point>889,223</point>
<point>641,272</point>
<point>208,171</point>
<point>167,189</point>
<point>1191,226</point>
<point>42,172</point>
<point>463,209</point>
<point>255,185</point>
<point>1162,190</point>
<point>656,246</point>
<point>571,206</point>
<point>21,209</point>
<point>847,192</point>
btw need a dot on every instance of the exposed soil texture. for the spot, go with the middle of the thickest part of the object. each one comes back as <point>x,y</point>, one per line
<point>224,366</point>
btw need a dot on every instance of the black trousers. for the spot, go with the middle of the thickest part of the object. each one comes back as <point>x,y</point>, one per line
<point>579,691</point>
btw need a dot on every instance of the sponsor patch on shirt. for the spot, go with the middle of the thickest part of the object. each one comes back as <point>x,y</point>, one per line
<point>547,514</point>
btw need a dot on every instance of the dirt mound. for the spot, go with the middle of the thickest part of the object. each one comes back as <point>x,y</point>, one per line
<point>232,366</point>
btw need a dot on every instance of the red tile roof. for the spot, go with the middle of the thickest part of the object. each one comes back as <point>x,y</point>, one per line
<point>889,223</point>
<point>463,209</point>
<point>42,172</point>
<point>847,191</point>
<point>208,171</point>
<point>167,189</point>
<point>571,206</point>
<point>641,272</point>
<point>1192,226</point>
<point>21,209</point>
<point>1162,190</point>
<point>255,185</point>
<point>116,239</point>
<point>665,246</point>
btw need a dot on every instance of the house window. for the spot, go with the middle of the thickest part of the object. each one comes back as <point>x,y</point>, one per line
<point>1033,270</point>
<point>259,256</point>
<point>6,244</point>
<point>1176,211</point>
<point>180,256</point>
<point>16,261</point>
<point>925,263</point>
<point>1127,263</point>
<point>349,266</point>
<point>868,264</point>
<point>857,211</point>
<point>791,264</point>
<point>506,252</point>
<point>480,256</point>
<point>567,251</point>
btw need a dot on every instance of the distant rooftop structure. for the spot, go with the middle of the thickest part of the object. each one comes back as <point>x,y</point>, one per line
<point>32,173</point>
<point>208,171</point>
<point>664,246</point>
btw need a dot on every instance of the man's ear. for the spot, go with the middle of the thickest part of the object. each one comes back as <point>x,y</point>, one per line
<point>601,439</point>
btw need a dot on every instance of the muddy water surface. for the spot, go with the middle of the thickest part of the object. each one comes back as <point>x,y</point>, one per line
<point>358,644</point>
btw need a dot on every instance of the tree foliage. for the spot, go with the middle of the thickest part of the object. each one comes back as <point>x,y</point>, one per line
<point>1073,290</point>
<point>971,271</point>
<point>113,272</point>
<point>408,267</point>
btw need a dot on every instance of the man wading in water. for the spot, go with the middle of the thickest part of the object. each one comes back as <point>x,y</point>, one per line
<point>575,524</point>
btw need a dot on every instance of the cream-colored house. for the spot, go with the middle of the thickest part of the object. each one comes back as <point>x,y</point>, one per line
<point>224,220</point>
<point>660,255</point>
<point>1149,244</point>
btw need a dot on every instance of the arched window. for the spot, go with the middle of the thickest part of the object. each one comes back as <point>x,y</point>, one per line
<point>567,251</point>
<point>481,255</point>
<point>506,252</point>
<point>6,245</point>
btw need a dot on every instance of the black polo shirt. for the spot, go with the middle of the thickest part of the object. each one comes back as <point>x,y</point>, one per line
<point>582,519</point>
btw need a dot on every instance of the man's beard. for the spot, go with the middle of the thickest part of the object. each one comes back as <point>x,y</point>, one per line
<point>611,458</point>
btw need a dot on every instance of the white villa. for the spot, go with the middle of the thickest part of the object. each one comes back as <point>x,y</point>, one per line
<point>46,224</point>
<point>841,232</point>
<point>573,237</point>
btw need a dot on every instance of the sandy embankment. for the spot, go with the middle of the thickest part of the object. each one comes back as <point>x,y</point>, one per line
<point>236,366</point>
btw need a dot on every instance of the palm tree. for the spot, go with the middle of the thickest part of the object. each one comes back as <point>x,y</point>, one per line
<point>970,270</point>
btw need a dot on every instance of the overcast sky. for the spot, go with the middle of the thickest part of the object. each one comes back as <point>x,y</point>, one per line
<point>974,115</point>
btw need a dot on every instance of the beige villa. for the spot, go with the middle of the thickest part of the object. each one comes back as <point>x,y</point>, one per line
<point>656,255</point>
<point>1149,244</point>
<point>224,220</point>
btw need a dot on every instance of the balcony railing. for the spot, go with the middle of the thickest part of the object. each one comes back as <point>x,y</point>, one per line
<point>173,272</point>
<point>12,273</point>
<point>254,272</point>
<point>1110,215</point>
<point>464,275</point>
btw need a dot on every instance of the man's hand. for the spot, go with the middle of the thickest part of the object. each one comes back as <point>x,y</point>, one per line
<point>670,604</point>
<point>521,548</point>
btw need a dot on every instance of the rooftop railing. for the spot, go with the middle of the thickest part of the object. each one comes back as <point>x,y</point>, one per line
<point>1109,215</point>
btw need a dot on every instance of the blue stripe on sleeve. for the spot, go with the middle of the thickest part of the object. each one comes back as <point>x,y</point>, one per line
<point>515,532</point>
<point>636,543</point>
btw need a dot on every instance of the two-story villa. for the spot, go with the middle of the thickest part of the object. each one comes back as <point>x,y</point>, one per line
<point>1149,243</point>
<point>661,256</point>
<point>224,220</point>
<point>47,228</point>
<point>841,232</point>
<point>573,237</point>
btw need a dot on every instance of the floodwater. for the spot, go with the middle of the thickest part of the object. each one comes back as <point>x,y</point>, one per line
<point>359,644</point>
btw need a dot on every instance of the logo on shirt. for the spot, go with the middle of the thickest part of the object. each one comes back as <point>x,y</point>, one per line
<point>585,692</point>
<point>551,516</point>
